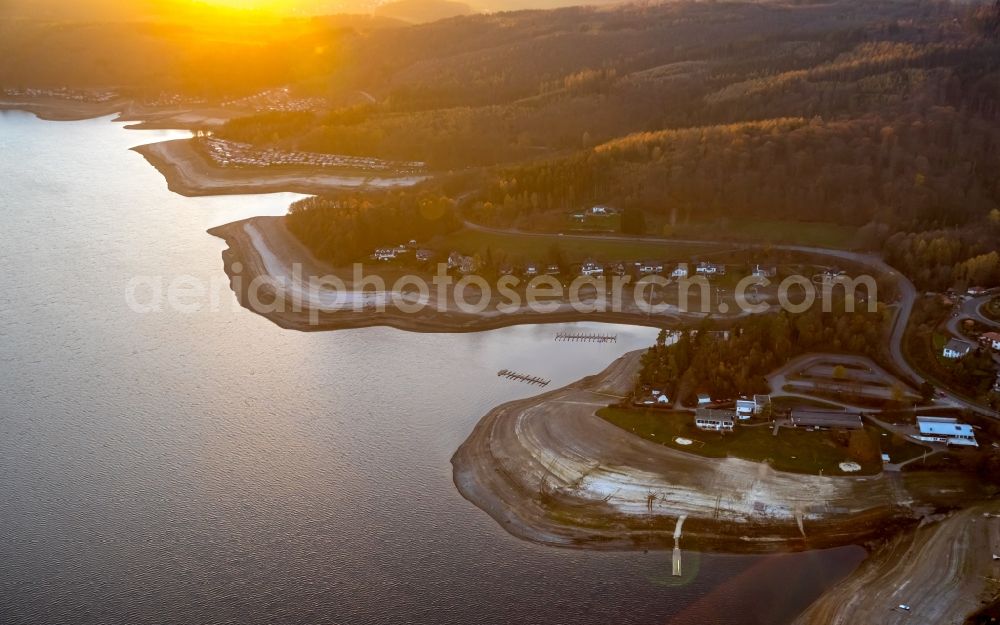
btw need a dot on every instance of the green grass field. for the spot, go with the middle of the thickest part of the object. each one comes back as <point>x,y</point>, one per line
<point>792,450</point>
<point>820,234</point>
<point>593,223</point>
<point>540,248</point>
<point>899,449</point>
<point>521,248</point>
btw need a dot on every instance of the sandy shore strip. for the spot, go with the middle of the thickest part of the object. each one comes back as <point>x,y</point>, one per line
<point>943,572</point>
<point>262,247</point>
<point>141,116</point>
<point>61,110</point>
<point>190,173</point>
<point>549,470</point>
<point>198,118</point>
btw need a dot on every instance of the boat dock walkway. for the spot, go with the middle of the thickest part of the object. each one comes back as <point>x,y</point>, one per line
<point>677,545</point>
<point>520,377</point>
<point>587,337</point>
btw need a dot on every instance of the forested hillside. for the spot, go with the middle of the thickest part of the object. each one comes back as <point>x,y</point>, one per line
<point>345,229</point>
<point>882,116</point>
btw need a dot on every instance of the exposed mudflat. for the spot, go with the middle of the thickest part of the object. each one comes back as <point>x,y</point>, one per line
<point>61,110</point>
<point>262,247</point>
<point>943,572</point>
<point>549,470</point>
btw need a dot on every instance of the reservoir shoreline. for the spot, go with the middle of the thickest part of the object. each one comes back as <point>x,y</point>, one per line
<point>189,173</point>
<point>483,475</point>
<point>549,470</point>
<point>281,247</point>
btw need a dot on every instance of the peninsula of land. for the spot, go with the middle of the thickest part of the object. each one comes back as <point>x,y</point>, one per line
<point>549,470</point>
<point>190,173</point>
<point>262,249</point>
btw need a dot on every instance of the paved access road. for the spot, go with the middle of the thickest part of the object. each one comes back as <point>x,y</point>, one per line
<point>907,295</point>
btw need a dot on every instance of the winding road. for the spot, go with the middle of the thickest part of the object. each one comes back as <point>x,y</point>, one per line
<point>970,309</point>
<point>973,307</point>
<point>907,291</point>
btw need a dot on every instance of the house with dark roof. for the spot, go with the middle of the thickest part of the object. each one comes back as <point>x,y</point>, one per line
<point>717,420</point>
<point>956,348</point>
<point>825,419</point>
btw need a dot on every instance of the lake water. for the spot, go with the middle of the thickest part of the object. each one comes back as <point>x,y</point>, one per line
<point>213,468</point>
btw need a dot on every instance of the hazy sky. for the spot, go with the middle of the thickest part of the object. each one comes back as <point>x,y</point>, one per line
<point>130,9</point>
<point>100,10</point>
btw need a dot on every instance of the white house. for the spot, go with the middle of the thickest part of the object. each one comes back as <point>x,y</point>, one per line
<point>956,348</point>
<point>681,271</point>
<point>945,430</point>
<point>590,268</point>
<point>746,408</point>
<point>709,269</point>
<point>718,420</point>
<point>603,210</point>
<point>650,267</point>
<point>654,397</point>
<point>704,399</point>
<point>992,339</point>
<point>385,253</point>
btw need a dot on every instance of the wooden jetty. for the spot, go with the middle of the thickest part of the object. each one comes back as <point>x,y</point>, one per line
<point>587,337</point>
<point>676,560</point>
<point>530,379</point>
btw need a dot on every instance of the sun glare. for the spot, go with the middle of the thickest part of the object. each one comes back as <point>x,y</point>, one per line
<point>242,4</point>
<point>257,6</point>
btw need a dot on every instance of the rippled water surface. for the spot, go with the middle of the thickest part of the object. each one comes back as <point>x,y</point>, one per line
<point>213,468</point>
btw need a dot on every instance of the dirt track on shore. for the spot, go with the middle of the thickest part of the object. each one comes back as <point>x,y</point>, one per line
<point>943,572</point>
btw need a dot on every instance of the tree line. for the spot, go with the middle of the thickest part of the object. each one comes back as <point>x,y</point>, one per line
<point>728,366</point>
<point>341,229</point>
